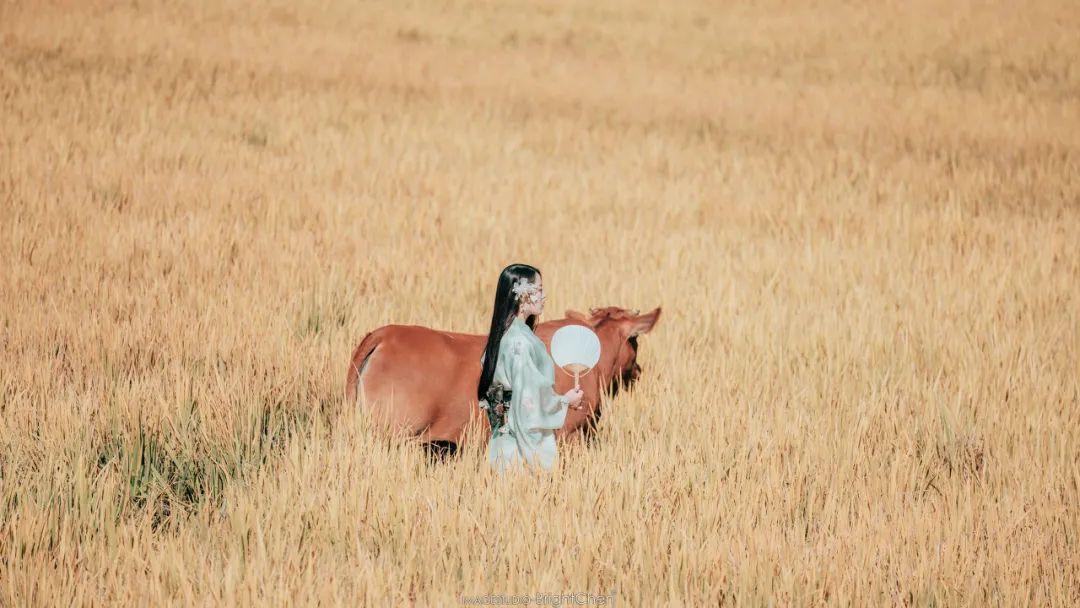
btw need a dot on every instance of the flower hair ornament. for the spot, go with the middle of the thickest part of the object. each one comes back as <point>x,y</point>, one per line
<point>522,288</point>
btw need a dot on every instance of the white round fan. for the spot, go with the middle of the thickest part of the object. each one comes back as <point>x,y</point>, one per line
<point>576,349</point>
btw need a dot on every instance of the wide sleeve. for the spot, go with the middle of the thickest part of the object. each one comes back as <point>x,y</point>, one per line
<point>534,404</point>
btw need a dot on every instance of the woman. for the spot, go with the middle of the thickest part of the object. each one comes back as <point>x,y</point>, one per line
<point>517,380</point>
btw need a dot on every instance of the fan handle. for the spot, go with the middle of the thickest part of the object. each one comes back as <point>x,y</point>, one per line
<point>577,368</point>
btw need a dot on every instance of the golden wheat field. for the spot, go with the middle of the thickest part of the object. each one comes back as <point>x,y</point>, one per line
<point>861,222</point>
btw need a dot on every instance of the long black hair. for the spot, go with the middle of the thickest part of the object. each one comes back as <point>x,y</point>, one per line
<point>502,315</point>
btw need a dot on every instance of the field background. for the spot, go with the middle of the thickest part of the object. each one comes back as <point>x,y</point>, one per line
<point>861,222</point>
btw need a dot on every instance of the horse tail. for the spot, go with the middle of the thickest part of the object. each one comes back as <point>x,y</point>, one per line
<point>357,363</point>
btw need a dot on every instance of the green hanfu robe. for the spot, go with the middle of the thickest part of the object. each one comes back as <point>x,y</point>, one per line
<point>526,432</point>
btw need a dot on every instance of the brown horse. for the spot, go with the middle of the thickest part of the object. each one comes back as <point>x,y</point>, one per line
<point>421,382</point>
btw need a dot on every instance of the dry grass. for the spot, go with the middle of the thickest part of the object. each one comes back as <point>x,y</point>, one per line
<point>862,224</point>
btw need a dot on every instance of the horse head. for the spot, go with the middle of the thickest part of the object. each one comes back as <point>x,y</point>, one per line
<point>618,330</point>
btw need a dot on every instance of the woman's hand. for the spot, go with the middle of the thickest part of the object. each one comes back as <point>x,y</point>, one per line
<point>573,396</point>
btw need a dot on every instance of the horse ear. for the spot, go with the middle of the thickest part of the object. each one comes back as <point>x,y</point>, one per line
<point>642,324</point>
<point>577,316</point>
<point>581,318</point>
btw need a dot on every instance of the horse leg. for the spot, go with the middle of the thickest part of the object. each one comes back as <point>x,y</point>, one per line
<point>439,450</point>
<point>589,429</point>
